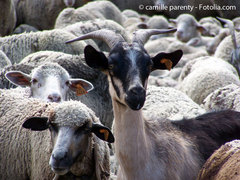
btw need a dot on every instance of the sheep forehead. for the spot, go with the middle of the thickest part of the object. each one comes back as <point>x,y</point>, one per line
<point>50,69</point>
<point>72,114</point>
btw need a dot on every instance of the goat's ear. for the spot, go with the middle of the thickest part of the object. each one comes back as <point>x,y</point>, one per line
<point>166,60</point>
<point>18,78</point>
<point>95,59</point>
<point>102,132</point>
<point>36,123</point>
<point>80,86</point>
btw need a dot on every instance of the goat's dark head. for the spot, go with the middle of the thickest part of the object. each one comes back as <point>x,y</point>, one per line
<point>128,65</point>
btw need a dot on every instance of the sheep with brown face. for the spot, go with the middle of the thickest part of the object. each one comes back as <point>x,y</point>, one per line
<point>72,147</point>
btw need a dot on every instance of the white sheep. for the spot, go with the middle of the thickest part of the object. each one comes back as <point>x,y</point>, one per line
<point>187,28</point>
<point>24,28</point>
<point>227,97</point>
<point>169,103</point>
<point>98,100</point>
<point>231,53</point>
<point>8,17</point>
<point>128,13</point>
<point>84,27</point>
<point>201,77</point>
<point>90,11</point>
<point>41,14</point>
<point>16,47</point>
<point>69,147</point>
<point>4,61</point>
<point>223,163</point>
<point>49,82</point>
<point>211,25</point>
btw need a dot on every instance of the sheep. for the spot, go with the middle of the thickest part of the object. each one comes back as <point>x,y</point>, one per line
<point>80,28</point>
<point>231,51</point>
<point>212,46</point>
<point>4,61</point>
<point>26,154</point>
<point>223,164</point>
<point>188,30</point>
<point>236,22</point>
<point>98,100</point>
<point>7,17</point>
<point>49,82</point>
<point>205,8</point>
<point>174,104</point>
<point>17,47</point>
<point>41,15</point>
<point>212,26</point>
<point>24,28</point>
<point>148,148</point>
<point>158,22</point>
<point>128,13</point>
<point>226,97</point>
<point>204,75</point>
<point>98,9</point>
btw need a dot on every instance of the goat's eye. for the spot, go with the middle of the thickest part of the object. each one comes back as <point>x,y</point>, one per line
<point>110,66</point>
<point>34,81</point>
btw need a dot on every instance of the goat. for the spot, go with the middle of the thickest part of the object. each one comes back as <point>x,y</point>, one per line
<point>145,148</point>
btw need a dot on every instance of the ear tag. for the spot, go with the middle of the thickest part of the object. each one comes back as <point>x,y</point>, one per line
<point>106,133</point>
<point>168,63</point>
<point>80,90</point>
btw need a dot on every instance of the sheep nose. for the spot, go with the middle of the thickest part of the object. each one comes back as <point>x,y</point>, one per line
<point>137,91</point>
<point>59,156</point>
<point>54,97</point>
<point>179,34</point>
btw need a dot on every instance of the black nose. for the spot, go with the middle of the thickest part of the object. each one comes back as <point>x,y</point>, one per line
<point>59,156</point>
<point>137,91</point>
<point>54,97</point>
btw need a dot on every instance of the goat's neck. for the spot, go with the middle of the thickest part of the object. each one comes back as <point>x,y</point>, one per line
<point>131,141</point>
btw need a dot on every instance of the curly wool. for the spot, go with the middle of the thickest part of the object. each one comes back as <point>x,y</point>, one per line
<point>169,103</point>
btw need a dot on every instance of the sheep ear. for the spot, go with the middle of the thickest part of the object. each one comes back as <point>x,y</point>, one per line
<point>201,29</point>
<point>95,59</point>
<point>102,132</point>
<point>18,78</point>
<point>166,60</point>
<point>174,21</point>
<point>36,123</point>
<point>80,86</point>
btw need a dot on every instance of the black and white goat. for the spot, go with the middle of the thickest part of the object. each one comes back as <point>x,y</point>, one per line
<point>152,148</point>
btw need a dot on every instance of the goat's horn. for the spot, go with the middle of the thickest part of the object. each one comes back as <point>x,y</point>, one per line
<point>142,35</point>
<point>231,28</point>
<point>108,36</point>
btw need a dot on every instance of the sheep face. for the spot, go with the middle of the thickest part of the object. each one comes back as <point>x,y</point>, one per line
<point>69,3</point>
<point>71,137</point>
<point>187,27</point>
<point>128,67</point>
<point>49,82</point>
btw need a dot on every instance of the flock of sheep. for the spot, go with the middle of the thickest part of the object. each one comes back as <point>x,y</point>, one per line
<point>60,87</point>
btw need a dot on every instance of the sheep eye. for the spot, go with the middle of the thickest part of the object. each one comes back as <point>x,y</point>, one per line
<point>53,127</point>
<point>34,81</point>
<point>111,66</point>
<point>67,83</point>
